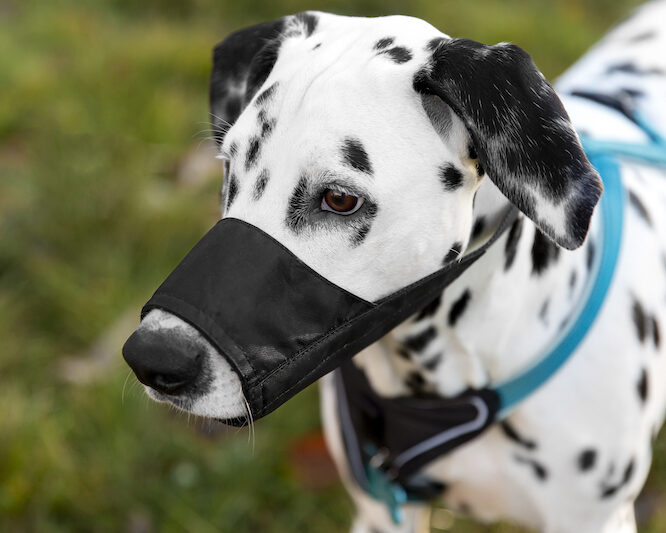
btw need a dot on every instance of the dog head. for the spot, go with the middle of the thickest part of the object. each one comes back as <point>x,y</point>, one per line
<point>359,144</point>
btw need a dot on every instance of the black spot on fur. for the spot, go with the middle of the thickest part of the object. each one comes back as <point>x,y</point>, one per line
<point>309,22</point>
<point>639,206</point>
<point>539,470</point>
<point>453,253</point>
<point>608,491</point>
<point>642,387</point>
<point>511,433</point>
<point>298,206</point>
<point>384,43</point>
<point>656,336</point>
<point>355,155</point>
<point>415,382</point>
<point>267,127</point>
<point>418,342</point>
<point>632,68</point>
<point>543,312</point>
<point>458,307</point>
<point>479,226</point>
<point>544,252</point>
<point>252,152</point>
<point>479,170</point>
<point>432,363</point>
<point>589,257</point>
<point>640,320</point>
<point>361,233</point>
<point>260,184</point>
<point>233,190</point>
<point>233,149</point>
<point>316,46</point>
<point>266,95</point>
<point>572,282</point>
<point>362,226</point>
<point>511,246</point>
<point>404,354</point>
<point>586,460</point>
<point>471,152</point>
<point>399,54</point>
<point>450,177</point>
<point>429,309</point>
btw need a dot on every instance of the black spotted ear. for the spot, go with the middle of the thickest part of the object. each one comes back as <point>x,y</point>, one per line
<point>243,61</point>
<point>521,132</point>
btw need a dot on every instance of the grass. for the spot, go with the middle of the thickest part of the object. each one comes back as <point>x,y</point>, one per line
<point>101,117</point>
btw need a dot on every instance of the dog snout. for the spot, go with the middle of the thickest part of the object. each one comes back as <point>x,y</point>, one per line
<point>164,360</point>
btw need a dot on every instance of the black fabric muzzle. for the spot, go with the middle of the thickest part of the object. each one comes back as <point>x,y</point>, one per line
<point>280,324</point>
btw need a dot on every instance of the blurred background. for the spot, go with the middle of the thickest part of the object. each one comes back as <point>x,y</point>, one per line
<point>106,180</point>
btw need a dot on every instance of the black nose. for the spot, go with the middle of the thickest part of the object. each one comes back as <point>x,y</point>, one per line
<point>165,360</point>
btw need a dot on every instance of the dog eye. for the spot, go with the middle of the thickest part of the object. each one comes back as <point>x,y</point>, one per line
<point>340,202</point>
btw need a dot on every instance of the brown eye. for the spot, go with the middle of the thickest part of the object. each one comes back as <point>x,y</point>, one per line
<point>340,202</point>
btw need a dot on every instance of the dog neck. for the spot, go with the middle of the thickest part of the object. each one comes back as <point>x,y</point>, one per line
<point>493,321</point>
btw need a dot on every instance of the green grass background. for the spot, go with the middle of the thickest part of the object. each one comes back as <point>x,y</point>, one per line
<point>102,106</point>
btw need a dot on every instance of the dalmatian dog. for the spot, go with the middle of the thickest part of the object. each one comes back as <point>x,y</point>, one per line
<point>377,149</point>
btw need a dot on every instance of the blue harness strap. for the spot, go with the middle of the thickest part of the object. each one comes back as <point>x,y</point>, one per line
<point>604,157</point>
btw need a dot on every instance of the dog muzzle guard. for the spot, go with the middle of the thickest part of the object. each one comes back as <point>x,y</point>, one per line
<point>280,324</point>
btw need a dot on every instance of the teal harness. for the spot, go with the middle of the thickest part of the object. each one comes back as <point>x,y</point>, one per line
<point>605,156</point>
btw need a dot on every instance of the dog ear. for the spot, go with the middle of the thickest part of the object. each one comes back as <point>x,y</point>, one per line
<point>520,131</point>
<point>243,61</point>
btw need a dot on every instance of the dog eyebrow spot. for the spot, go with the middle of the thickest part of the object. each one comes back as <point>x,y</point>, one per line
<point>355,156</point>
<point>399,54</point>
<point>260,184</point>
<point>252,152</point>
<point>458,307</point>
<point>511,433</point>
<point>266,95</point>
<point>384,43</point>
<point>450,177</point>
<point>539,470</point>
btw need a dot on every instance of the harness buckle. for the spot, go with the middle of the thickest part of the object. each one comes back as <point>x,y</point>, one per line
<point>383,487</point>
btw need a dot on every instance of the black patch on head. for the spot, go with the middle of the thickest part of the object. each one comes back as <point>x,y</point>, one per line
<point>640,318</point>
<point>479,226</point>
<point>415,382</point>
<point>453,253</point>
<point>266,95</point>
<point>399,54</point>
<point>309,22</point>
<point>450,177</point>
<point>631,68</point>
<point>384,43</point>
<point>298,206</point>
<point>432,363</point>
<point>418,342</point>
<point>261,67</point>
<point>642,387</point>
<point>458,307</point>
<point>511,433</point>
<point>511,246</point>
<point>539,470</point>
<point>233,190</point>
<point>639,206</point>
<point>586,460</point>
<point>429,309</point>
<point>589,257</point>
<point>544,252</point>
<point>355,156</point>
<point>656,336</point>
<point>260,184</point>
<point>252,152</point>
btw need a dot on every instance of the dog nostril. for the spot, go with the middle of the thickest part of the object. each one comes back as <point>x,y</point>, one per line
<point>168,384</point>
